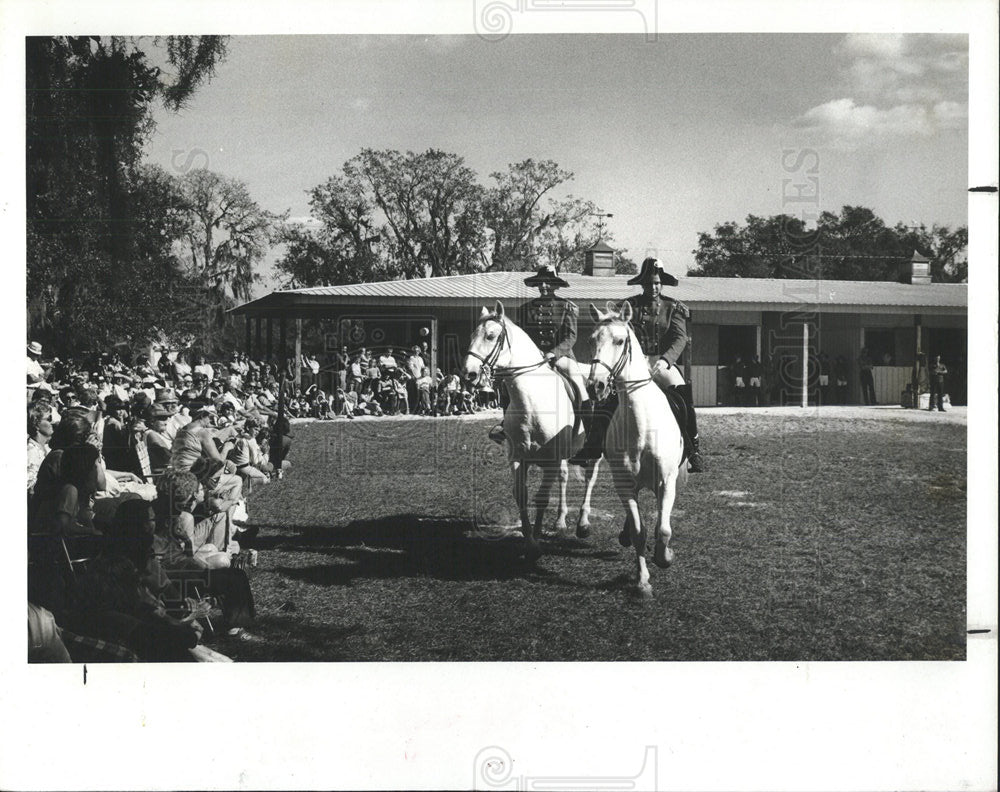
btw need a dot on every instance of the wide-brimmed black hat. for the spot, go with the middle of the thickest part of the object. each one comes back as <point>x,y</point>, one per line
<point>546,274</point>
<point>653,270</point>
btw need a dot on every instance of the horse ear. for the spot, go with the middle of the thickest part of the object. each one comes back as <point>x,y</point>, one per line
<point>611,307</point>
<point>499,309</point>
<point>595,312</point>
<point>484,313</point>
<point>626,311</point>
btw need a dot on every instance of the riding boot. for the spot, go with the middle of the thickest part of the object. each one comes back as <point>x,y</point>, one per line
<point>696,463</point>
<point>593,445</point>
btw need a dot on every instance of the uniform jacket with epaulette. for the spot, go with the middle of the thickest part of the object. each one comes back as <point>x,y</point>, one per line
<point>660,324</point>
<point>551,324</point>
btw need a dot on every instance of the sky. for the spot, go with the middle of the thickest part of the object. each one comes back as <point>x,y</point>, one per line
<point>672,136</point>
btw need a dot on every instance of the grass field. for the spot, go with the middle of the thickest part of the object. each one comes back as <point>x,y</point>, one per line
<point>837,536</point>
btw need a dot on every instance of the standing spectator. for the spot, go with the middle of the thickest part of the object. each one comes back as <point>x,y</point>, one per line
<point>452,388</point>
<point>414,366</point>
<point>386,361</point>
<point>424,394</point>
<point>937,374</point>
<point>740,381</point>
<point>867,381</point>
<point>356,375</point>
<point>373,375</point>
<point>825,394</point>
<point>755,371</point>
<point>35,371</point>
<point>341,365</point>
<point>840,378</point>
<point>400,386</point>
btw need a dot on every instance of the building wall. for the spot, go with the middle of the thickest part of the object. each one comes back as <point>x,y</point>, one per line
<point>780,334</point>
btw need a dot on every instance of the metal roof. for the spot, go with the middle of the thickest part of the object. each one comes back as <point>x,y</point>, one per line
<point>714,293</point>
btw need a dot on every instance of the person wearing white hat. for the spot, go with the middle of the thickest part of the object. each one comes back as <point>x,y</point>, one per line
<point>35,371</point>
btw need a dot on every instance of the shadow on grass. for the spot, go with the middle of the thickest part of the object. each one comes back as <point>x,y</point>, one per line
<point>408,545</point>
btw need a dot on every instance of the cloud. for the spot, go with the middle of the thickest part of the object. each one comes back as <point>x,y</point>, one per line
<point>845,123</point>
<point>880,45</point>
<point>893,86</point>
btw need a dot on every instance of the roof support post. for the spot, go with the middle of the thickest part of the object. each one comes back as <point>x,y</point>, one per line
<point>298,353</point>
<point>257,348</point>
<point>805,363</point>
<point>246,324</point>
<point>270,342</point>
<point>434,360</point>
<point>282,344</point>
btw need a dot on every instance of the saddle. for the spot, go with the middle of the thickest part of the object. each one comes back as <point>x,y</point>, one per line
<point>606,409</point>
<point>573,392</point>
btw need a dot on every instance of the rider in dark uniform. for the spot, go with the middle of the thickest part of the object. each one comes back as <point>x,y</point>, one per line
<point>550,322</point>
<point>660,324</point>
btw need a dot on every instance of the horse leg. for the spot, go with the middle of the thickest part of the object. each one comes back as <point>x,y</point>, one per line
<point>519,471</point>
<point>642,587</point>
<point>542,495</point>
<point>583,521</point>
<point>560,523</point>
<point>662,554</point>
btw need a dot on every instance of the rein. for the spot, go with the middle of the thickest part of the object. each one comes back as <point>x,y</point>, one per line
<point>616,370</point>
<point>491,359</point>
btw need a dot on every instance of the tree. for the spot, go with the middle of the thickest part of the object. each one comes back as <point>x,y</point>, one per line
<point>226,233</point>
<point>527,230</point>
<point>431,207</point>
<point>392,215</point>
<point>854,244</point>
<point>92,250</point>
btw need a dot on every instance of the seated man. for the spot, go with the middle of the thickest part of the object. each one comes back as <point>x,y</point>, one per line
<point>660,325</point>
<point>367,404</point>
<point>195,443</point>
<point>550,321</point>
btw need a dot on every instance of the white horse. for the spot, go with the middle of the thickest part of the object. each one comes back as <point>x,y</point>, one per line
<point>540,423</point>
<point>643,445</point>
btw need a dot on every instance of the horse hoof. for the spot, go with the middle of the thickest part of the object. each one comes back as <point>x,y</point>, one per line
<point>559,527</point>
<point>663,556</point>
<point>624,539</point>
<point>582,531</point>
<point>643,592</point>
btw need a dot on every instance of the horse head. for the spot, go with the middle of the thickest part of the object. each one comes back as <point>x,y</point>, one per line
<point>611,345</point>
<point>490,344</point>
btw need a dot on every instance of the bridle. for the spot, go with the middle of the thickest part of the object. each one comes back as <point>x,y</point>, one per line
<point>623,360</point>
<point>491,359</point>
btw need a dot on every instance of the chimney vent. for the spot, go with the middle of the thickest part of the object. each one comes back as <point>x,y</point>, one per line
<point>917,270</point>
<point>599,260</point>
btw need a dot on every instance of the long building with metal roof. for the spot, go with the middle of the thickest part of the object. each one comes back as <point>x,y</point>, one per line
<point>788,324</point>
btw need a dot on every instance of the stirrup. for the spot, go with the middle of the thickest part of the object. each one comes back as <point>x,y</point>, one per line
<point>497,434</point>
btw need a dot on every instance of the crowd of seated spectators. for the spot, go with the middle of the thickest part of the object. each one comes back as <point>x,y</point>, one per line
<point>143,470</point>
<point>390,382</point>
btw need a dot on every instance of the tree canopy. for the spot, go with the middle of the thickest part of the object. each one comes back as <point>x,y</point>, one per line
<point>391,215</point>
<point>854,244</point>
<point>100,225</point>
